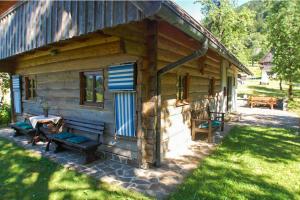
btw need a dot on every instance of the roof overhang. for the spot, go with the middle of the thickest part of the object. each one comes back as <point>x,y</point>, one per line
<point>164,10</point>
<point>174,15</point>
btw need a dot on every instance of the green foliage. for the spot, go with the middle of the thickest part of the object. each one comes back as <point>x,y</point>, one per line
<point>4,83</point>
<point>251,163</point>
<point>284,37</point>
<point>230,25</point>
<point>255,69</point>
<point>5,114</point>
<point>257,43</point>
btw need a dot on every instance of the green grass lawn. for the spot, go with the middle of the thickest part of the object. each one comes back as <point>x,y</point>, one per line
<point>255,70</point>
<point>252,87</point>
<point>251,163</point>
<point>27,176</point>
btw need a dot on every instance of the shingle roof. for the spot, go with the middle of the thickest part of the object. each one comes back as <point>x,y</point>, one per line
<point>33,24</point>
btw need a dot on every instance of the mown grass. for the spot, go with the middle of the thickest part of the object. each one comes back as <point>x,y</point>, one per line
<point>27,176</point>
<point>251,163</point>
<point>252,87</point>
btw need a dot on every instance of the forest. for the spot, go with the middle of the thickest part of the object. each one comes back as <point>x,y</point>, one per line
<point>255,28</point>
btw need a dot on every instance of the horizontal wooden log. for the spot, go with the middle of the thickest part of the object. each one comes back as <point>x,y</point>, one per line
<point>94,51</point>
<point>126,33</point>
<point>62,46</point>
<point>79,64</point>
<point>135,48</point>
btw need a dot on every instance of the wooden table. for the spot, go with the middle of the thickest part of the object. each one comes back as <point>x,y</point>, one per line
<point>39,121</point>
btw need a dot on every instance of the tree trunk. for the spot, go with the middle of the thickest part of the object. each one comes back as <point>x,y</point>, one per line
<point>280,84</point>
<point>290,91</point>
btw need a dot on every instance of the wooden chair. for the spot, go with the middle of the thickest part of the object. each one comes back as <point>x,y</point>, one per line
<point>72,139</point>
<point>205,121</point>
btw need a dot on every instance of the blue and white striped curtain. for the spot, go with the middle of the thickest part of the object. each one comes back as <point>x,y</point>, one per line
<point>125,113</point>
<point>16,85</point>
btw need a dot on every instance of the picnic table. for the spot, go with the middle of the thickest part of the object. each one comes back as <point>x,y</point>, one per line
<point>38,121</point>
<point>256,101</point>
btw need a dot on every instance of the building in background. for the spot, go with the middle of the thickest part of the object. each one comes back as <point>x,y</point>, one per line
<point>266,68</point>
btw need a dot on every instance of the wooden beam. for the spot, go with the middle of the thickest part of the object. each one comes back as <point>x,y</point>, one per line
<point>93,51</point>
<point>150,112</point>
<point>201,62</point>
<point>196,54</point>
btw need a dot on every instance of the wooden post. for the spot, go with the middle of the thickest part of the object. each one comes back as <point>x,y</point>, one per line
<point>139,107</point>
<point>210,135</point>
<point>193,130</point>
<point>147,145</point>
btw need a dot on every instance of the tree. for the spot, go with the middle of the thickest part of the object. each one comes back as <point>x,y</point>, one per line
<point>258,42</point>
<point>284,38</point>
<point>230,25</point>
<point>4,84</point>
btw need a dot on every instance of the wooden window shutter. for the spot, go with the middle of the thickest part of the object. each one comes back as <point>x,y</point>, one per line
<point>187,87</point>
<point>212,83</point>
<point>27,88</point>
<point>17,95</point>
<point>82,88</point>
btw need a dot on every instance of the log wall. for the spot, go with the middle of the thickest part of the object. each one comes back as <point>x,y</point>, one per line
<point>58,79</point>
<point>149,43</point>
<point>175,120</point>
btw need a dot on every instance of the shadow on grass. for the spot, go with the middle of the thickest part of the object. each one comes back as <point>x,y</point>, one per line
<point>247,166</point>
<point>25,175</point>
<point>265,91</point>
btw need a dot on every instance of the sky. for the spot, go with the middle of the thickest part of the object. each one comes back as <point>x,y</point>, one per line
<point>194,9</point>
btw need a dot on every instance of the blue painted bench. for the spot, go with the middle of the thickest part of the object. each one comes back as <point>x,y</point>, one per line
<point>23,128</point>
<point>71,137</point>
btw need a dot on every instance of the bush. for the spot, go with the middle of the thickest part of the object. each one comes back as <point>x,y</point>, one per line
<point>5,114</point>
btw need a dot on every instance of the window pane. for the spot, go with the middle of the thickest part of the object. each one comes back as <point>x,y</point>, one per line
<point>89,88</point>
<point>99,81</point>
<point>33,83</point>
<point>99,89</point>
<point>89,82</point>
<point>29,83</point>
<point>89,95</point>
<point>99,97</point>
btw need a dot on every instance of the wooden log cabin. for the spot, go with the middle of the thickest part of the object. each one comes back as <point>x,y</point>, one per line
<point>75,55</point>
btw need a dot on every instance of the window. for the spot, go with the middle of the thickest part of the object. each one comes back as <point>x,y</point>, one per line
<point>211,88</point>
<point>30,88</point>
<point>91,88</point>
<point>182,89</point>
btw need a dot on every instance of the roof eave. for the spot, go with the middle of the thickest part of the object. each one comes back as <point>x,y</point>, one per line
<point>169,14</point>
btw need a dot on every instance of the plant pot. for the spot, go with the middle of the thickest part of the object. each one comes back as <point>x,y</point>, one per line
<point>46,112</point>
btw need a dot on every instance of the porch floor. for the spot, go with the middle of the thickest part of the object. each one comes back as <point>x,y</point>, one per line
<point>156,182</point>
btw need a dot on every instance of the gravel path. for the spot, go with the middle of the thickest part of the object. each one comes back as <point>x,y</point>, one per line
<point>263,116</point>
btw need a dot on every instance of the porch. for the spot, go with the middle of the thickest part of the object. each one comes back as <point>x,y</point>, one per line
<point>158,182</point>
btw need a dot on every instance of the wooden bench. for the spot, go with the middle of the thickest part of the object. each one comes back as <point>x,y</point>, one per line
<point>205,121</point>
<point>256,101</point>
<point>72,140</point>
<point>23,127</point>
